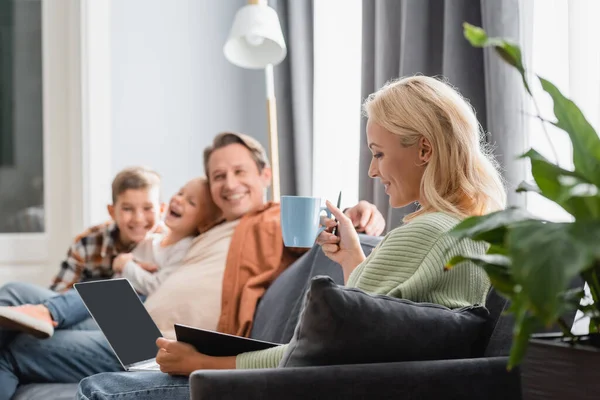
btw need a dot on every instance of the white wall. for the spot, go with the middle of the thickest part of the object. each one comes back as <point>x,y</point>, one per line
<point>172,88</point>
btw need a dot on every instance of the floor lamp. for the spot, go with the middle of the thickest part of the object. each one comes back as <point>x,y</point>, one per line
<point>256,41</point>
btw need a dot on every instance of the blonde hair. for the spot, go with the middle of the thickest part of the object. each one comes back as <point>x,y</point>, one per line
<point>210,214</point>
<point>461,177</point>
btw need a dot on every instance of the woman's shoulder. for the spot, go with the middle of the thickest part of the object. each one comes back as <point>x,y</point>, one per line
<point>419,235</point>
<point>424,233</point>
<point>429,225</point>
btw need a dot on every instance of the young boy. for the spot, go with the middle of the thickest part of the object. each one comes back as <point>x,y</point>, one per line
<point>191,211</point>
<point>135,211</point>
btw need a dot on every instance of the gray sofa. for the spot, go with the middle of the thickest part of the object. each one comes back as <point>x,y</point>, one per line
<point>277,315</point>
<point>275,320</point>
<point>50,391</point>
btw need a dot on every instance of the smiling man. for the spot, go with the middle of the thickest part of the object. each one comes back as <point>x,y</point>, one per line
<point>238,174</point>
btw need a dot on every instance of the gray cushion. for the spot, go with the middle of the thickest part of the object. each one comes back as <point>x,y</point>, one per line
<point>342,325</point>
<point>279,309</point>
<point>500,328</point>
<point>46,391</point>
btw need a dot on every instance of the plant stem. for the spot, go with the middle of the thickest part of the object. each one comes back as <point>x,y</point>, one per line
<point>591,277</point>
<point>595,285</point>
<point>543,121</point>
<point>565,328</point>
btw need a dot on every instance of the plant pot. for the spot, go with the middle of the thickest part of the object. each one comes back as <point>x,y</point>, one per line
<point>555,368</point>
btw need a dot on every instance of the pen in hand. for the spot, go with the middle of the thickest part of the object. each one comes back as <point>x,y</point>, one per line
<point>339,203</point>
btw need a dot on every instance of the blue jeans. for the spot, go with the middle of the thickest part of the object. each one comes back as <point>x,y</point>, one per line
<point>67,309</point>
<point>67,357</point>
<point>134,385</point>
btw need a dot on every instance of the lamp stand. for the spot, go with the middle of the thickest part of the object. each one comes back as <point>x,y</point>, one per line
<point>272,129</point>
<point>256,41</point>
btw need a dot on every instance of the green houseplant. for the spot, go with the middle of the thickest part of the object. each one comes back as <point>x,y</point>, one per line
<point>532,261</point>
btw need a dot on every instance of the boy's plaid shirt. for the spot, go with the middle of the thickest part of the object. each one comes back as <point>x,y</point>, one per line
<point>90,257</point>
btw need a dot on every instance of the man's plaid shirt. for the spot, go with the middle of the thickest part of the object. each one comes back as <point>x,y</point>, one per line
<point>90,257</point>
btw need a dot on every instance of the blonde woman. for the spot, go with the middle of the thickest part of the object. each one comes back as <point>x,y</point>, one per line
<point>425,142</point>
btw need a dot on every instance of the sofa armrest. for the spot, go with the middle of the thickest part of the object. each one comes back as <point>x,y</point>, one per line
<point>478,378</point>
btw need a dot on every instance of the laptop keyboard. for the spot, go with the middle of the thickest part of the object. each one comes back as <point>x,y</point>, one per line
<point>151,366</point>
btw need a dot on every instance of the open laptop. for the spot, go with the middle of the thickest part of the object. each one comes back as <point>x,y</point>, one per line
<point>124,321</point>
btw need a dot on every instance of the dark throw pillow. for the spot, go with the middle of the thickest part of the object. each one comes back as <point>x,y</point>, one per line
<point>342,325</point>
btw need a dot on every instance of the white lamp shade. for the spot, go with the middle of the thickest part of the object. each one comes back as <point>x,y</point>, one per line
<point>255,39</point>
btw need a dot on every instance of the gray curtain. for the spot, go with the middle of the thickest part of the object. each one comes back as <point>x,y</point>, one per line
<point>406,37</point>
<point>294,94</point>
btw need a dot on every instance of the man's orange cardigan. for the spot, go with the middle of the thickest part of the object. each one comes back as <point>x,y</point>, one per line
<point>256,257</point>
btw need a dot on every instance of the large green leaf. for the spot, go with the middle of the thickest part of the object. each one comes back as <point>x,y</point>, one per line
<point>475,35</point>
<point>573,192</point>
<point>545,258</point>
<point>495,259</point>
<point>491,228</point>
<point>585,140</point>
<point>587,233</point>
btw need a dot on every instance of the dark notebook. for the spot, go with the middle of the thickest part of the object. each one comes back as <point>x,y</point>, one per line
<point>218,344</point>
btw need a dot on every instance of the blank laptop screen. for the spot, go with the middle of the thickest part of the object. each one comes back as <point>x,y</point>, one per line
<point>122,318</point>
